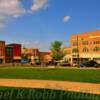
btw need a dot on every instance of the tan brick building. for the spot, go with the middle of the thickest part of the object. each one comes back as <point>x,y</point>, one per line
<point>34,53</point>
<point>85,46</point>
<point>68,54</point>
<point>31,51</point>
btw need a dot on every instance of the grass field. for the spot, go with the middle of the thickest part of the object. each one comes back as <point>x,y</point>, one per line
<point>10,93</point>
<point>68,74</point>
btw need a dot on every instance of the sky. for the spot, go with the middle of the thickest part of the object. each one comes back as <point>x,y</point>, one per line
<point>37,23</point>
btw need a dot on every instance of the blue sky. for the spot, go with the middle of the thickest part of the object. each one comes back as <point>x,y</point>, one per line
<point>37,23</point>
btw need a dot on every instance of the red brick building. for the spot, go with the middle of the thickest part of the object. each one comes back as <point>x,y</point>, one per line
<point>2,51</point>
<point>13,53</point>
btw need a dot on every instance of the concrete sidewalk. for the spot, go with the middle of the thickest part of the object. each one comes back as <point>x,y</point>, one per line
<point>49,84</point>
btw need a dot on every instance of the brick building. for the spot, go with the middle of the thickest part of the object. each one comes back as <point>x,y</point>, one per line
<point>85,46</point>
<point>13,53</point>
<point>2,51</point>
<point>31,53</point>
<point>68,56</point>
<point>45,56</point>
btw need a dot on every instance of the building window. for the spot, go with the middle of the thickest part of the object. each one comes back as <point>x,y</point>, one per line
<point>75,44</point>
<point>96,49</point>
<point>96,42</point>
<point>9,52</point>
<point>75,50</point>
<point>85,43</point>
<point>85,49</point>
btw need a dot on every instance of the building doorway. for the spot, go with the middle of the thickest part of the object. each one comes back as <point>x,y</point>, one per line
<point>1,61</point>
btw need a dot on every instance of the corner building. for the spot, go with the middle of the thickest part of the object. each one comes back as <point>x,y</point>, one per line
<point>85,46</point>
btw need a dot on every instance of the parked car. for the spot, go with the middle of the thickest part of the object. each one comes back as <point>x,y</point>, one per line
<point>53,62</point>
<point>90,63</point>
<point>64,63</point>
<point>24,61</point>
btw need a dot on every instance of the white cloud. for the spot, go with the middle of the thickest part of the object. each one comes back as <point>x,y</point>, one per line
<point>39,4</point>
<point>66,18</point>
<point>10,9</point>
<point>13,8</point>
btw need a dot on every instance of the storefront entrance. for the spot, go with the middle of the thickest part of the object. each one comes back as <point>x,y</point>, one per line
<point>1,61</point>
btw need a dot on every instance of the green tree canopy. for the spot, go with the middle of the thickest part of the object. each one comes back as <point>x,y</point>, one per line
<point>56,49</point>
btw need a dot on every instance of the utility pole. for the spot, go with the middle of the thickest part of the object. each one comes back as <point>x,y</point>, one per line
<point>78,57</point>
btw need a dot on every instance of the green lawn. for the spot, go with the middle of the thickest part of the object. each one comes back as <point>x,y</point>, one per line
<point>68,74</point>
<point>10,93</point>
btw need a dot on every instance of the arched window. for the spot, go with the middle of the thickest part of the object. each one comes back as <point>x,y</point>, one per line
<point>85,49</point>
<point>97,49</point>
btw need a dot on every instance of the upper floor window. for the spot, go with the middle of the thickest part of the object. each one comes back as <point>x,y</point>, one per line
<point>85,43</point>
<point>75,44</point>
<point>75,50</point>
<point>96,42</point>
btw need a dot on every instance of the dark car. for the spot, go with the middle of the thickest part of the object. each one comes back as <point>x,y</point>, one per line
<point>53,62</point>
<point>90,63</point>
<point>64,63</point>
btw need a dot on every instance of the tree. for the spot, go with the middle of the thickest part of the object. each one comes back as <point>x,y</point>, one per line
<point>57,52</point>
